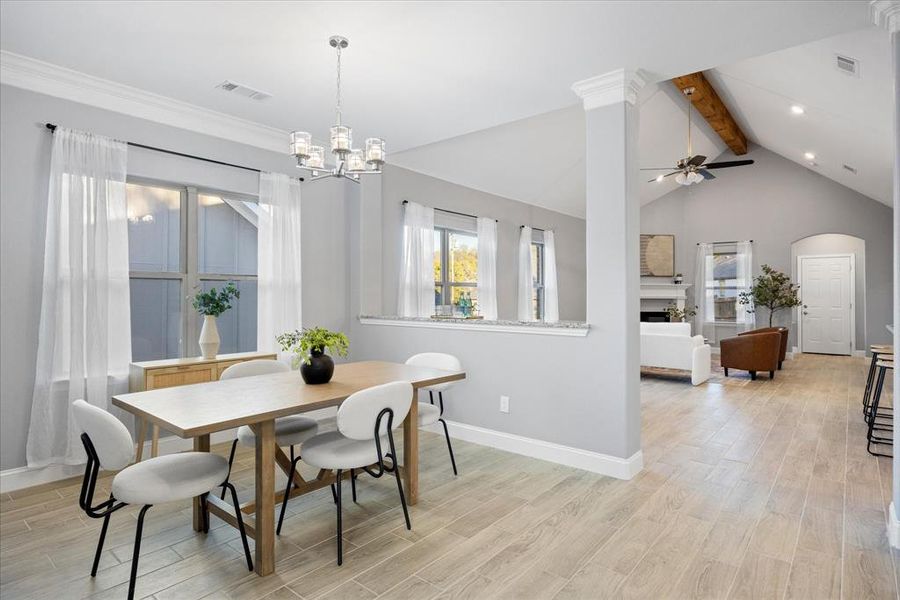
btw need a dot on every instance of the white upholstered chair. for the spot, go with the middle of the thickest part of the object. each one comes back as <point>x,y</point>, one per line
<point>428,412</point>
<point>364,437</point>
<point>169,478</point>
<point>289,431</point>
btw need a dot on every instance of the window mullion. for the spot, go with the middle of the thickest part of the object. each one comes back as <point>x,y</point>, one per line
<point>191,267</point>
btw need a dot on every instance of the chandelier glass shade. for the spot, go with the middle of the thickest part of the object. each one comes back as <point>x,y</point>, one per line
<point>349,161</point>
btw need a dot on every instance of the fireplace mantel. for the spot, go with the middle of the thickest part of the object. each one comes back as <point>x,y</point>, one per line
<point>676,292</point>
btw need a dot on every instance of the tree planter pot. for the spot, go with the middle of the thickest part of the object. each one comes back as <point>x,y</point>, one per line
<point>209,337</point>
<point>319,370</point>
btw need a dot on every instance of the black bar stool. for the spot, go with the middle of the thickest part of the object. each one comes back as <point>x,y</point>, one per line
<point>882,366</point>
<point>877,350</point>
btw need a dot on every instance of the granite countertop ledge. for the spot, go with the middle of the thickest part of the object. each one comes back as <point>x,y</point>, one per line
<point>482,322</point>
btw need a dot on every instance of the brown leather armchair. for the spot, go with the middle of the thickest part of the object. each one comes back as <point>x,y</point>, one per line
<point>757,352</point>
<point>784,340</point>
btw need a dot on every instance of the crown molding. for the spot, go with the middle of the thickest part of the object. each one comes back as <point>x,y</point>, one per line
<point>53,80</point>
<point>886,13</point>
<point>617,86</point>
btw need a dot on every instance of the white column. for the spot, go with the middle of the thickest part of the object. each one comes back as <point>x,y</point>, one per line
<point>887,15</point>
<point>613,247</point>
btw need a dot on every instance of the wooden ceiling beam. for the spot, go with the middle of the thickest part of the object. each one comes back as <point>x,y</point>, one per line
<point>707,102</point>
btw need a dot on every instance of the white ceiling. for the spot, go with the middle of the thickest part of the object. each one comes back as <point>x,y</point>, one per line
<point>847,119</point>
<point>540,160</point>
<point>415,73</point>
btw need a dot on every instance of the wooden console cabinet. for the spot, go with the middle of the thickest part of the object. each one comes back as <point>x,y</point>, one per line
<point>156,374</point>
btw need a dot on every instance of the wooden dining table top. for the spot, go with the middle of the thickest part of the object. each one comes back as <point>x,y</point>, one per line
<point>204,408</point>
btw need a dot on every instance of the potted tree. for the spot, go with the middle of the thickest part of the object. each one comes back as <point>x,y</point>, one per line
<point>772,290</point>
<point>308,347</point>
<point>211,304</point>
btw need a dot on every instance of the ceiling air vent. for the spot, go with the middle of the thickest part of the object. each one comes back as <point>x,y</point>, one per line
<point>849,168</point>
<point>847,65</point>
<point>243,90</point>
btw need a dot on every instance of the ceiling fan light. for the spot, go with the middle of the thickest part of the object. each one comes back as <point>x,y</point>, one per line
<point>660,177</point>
<point>797,109</point>
<point>341,138</point>
<point>681,179</point>
<point>316,158</point>
<point>809,156</point>
<point>694,177</point>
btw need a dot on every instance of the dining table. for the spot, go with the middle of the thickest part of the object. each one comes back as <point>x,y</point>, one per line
<point>196,411</point>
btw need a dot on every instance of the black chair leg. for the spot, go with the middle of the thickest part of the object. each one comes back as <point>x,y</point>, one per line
<point>449,446</point>
<point>287,491</point>
<point>334,494</point>
<point>726,371</point>
<point>753,375</point>
<point>137,550</point>
<point>353,483</point>
<point>240,520</point>
<point>402,497</point>
<point>204,508</point>
<point>230,462</point>
<point>771,374</point>
<point>100,542</point>
<point>340,531</point>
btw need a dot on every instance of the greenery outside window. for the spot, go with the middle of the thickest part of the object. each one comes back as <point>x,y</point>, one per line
<point>722,285</point>
<point>455,267</point>
<point>537,278</point>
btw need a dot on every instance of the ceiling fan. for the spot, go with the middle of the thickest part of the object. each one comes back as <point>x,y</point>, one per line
<point>692,169</point>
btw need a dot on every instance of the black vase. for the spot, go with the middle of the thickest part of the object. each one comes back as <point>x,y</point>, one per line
<point>319,370</point>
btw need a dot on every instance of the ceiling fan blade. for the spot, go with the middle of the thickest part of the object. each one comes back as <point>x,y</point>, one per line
<point>656,169</point>
<point>706,174</point>
<point>726,164</point>
<point>696,161</point>
<point>666,175</point>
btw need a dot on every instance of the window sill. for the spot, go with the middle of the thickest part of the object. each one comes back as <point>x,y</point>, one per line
<point>562,328</point>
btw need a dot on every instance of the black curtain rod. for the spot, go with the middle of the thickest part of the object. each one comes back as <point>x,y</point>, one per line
<point>729,242</point>
<point>52,127</point>
<point>534,228</point>
<point>452,212</point>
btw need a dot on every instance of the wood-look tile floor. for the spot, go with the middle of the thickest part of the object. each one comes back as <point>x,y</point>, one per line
<point>750,489</point>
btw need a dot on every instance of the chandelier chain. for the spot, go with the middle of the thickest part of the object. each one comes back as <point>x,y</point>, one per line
<point>338,98</point>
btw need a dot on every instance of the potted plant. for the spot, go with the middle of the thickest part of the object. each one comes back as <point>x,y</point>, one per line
<point>308,347</point>
<point>773,290</point>
<point>677,315</point>
<point>211,304</point>
<point>678,278</point>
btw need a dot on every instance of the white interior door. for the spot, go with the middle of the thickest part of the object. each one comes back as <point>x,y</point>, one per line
<point>826,316</point>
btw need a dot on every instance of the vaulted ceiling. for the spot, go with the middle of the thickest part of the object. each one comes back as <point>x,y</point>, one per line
<point>476,93</point>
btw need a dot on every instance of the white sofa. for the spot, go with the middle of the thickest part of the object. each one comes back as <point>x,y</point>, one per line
<point>671,346</point>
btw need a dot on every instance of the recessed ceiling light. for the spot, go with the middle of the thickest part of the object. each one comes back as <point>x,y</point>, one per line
<point>660,177</point>
<point>797,109</point>
<point>809,156</point>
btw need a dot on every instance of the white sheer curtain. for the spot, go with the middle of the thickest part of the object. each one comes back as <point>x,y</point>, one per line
<point>551,289</point>
<point>744,269</point>
<point>279,283</point>
<point>702,284</point>
<point>84,347</point>
<point>487,268</point>
<point>526,282</point>
<point>415,297</point>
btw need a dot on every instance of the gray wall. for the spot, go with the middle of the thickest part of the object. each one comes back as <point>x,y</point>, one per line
<point>24,169</point>
<point>400,184</point>
<point>776,202</point>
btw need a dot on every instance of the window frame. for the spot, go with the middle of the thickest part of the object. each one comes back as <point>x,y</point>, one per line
<point>538,286</point>
<point>718,288</point>
<point>445,284</point>
<point>189,254</point>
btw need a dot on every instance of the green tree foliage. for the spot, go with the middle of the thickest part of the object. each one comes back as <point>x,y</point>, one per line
<point>773,290</point>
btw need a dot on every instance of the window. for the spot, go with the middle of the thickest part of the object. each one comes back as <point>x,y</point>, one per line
<point>721,285</point>
<point>537,279</point>
<point>455,268</point>
<point>181,239</point>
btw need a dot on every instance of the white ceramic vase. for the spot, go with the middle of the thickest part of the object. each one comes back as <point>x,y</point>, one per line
<point>209,337</point>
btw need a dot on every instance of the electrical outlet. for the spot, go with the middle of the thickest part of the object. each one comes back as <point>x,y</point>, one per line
<point>504,404</point>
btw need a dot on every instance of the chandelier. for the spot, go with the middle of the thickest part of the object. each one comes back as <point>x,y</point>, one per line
<point>350,162</point>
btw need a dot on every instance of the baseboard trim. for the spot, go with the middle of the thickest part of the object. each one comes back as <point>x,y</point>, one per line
<point>893,527</point>
<point>604,464</point>
<point>859,353</point>
<point>19,478</point>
